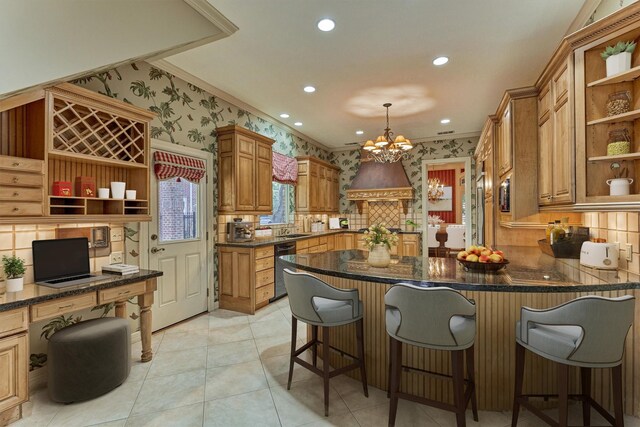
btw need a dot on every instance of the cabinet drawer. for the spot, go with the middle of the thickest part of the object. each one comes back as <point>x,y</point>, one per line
<point>302,244</point>
<point>21,194</point>
<point>323,240</point>
<point>314,242</point>
<point>409,237</point>
<point>120,293</point>
<point>264,277</point>
<point>20,179</point>
<point>264,293</point>
<point>21,164</point>
<point>20,209</point>
<point>13,321</point>
<point>264,263</point>
<point>266,252</point>
<point>49,309</point>
<point>322,248</point>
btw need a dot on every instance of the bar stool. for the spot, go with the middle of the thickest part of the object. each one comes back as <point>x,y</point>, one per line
<point>588,332</point>
<point>439,319</point>
<point>316,303</point>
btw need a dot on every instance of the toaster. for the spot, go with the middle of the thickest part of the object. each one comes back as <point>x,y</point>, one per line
<point>599,255</point>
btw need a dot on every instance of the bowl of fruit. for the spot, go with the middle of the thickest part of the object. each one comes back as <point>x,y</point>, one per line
<point>480,258</point>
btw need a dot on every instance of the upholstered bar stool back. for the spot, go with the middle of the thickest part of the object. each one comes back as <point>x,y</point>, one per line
<point>588,332</point>
<point>318,304</point>
<point>434,318</point>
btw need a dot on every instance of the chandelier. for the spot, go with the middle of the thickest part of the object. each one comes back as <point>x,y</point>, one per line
<point>386,149</point>
<point>435,189</point>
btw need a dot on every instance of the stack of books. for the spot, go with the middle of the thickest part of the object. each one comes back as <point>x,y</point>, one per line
<point>122,269</point>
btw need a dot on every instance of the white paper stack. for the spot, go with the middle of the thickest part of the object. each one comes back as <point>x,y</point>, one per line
<point>120,269</point>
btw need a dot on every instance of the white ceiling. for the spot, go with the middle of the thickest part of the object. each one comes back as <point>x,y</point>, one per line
<point>380,51</point>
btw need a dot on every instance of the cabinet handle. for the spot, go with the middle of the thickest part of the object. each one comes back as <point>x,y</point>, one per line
<point>16,209</point>
<point>16,164</point>
<point>16,194</point>
<point>65,306</point>
<point>15,180</point>
<point>123,293</point>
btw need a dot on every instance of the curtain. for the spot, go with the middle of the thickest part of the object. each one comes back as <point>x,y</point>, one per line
<point>169,165</point>
<point>285,169</point>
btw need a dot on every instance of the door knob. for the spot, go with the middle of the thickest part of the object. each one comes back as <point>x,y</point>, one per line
<point>155,250</point>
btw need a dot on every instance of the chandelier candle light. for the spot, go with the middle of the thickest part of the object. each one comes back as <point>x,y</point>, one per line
<point>435,190</point>
<point>386,149</point>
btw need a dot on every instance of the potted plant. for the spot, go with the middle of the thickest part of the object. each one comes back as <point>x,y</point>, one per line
<point>379,240</point>
<point>13,272</point>
<point>411,225</point>
<point>618,57</point>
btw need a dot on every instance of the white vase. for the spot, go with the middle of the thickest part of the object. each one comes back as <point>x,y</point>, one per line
<point>15,285</point>
<point>117,189</point>
<point>618,63</point>
<point>379,256</point>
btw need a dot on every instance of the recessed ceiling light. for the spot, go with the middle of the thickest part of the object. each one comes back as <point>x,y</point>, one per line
<point>309,89</point>
<point>440,60</point>
<point>445,121</point>
<point>284,115</point>
<point>326,24</point>
<point>298,123</point>
<point>359,132</point>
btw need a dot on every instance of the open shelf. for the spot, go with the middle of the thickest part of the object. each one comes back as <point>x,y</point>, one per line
<point>629,156</point>
<point>625,76</point>
<point>624,117</point>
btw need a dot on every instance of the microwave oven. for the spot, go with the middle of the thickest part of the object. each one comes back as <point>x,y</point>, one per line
<point>240,232</point>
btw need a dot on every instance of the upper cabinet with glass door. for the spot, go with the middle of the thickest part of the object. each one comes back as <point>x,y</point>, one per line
<point>51,137</point>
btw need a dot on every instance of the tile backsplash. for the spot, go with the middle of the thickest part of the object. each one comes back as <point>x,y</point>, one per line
<point>621,227</point>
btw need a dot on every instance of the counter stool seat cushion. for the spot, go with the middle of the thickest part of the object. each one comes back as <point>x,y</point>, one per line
<point>88,359</point>
<point>462,328</point>
<point>337,311</point>
<point>552,340</point>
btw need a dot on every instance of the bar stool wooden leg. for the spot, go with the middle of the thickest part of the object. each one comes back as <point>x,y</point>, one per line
<point>616,382</point>
<point>396,369</point>
<point>469,354</point>
<point>325,366</point>
<point>314,348</point>
<point>294,336</point>
<point>360,339</point>
<point>563,394</point>
<point>585,381</point>
<point>457,364</point>
<point>517,392</point>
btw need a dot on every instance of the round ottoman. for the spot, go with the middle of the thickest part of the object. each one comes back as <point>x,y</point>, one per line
<point>88,359</point>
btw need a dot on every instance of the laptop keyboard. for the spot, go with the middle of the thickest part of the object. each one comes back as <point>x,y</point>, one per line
<point>68,279</point>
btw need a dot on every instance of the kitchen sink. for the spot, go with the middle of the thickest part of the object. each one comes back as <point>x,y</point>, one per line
<point>297,235</point>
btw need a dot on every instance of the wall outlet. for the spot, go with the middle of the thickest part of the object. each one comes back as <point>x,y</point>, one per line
<point>629,249</point>
<point>116,258</point>
<point>116,234</point>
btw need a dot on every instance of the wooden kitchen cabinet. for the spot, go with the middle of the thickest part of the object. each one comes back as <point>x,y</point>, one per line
<point>246,277</point>
<point>344,241</point>
<point>409,245</point>
<point>505,138</point>
<point>14,357</point>
<point>245,171</point>
<point>317,190</point>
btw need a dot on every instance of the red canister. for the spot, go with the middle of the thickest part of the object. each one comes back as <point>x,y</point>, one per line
<point>85,186</point>
<point>61,188</point>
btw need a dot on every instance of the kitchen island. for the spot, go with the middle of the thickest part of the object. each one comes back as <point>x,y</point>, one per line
<point>531,279</point>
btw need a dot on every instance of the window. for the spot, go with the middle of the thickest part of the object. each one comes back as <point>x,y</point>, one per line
<point>282,205</point>
<point>178,210</point>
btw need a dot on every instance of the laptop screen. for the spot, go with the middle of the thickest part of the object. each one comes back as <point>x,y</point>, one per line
<point>56,258</point>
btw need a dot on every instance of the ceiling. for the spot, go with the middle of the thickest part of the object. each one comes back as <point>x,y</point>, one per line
<point>380,51</point>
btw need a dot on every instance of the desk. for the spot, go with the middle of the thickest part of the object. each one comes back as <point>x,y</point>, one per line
<point>35,303</point>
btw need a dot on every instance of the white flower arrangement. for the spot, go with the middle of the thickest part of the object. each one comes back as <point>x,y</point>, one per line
<point>378,234</point>
<point>434,220</point>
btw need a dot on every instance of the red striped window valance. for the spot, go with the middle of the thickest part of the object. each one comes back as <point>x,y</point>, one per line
<point>285,169</point>
<point>169,165</point>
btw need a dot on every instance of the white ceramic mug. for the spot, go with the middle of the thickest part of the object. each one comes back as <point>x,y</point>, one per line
<point>103,193</point>
<point>117,189</point>
<point>131,194</point>
<point>619,186</point>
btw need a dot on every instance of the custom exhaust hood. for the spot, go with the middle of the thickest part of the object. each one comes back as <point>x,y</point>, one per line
<point>380,182</point>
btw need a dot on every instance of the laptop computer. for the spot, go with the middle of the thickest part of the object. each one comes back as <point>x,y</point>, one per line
<point>60,263</point>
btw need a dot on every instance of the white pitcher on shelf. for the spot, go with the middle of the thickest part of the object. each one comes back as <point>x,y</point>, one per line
<point>619,186</point>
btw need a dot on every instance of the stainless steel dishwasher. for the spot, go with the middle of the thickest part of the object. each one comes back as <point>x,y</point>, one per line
<point>281,249</point>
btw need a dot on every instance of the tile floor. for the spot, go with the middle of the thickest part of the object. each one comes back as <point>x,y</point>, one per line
<point>212,371</point>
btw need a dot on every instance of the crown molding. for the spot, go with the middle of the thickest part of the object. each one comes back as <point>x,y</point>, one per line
<point>586,11</point>
<point>213,15</point>
<point>190,78</point>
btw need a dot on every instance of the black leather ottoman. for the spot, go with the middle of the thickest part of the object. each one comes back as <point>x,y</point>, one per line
<point>88,359</point>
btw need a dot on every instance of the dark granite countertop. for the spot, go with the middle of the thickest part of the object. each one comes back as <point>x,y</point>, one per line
<point>284,239</point>
<point>32,293</point>
<point>529,270</point>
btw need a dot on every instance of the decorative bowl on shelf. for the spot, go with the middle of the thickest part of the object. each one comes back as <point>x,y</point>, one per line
<point>484,267</point>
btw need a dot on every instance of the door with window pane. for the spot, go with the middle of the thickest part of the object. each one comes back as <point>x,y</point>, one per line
<point>177,247</point>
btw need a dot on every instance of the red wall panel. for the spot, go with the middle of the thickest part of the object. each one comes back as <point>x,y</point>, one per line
<point>448,178</point>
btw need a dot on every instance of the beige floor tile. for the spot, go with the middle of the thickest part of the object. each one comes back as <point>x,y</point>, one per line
<point>116,423</point>
<point>172,391</point>
<point>485,418</point>
<point>342,420</point>
<point>270,328</point>
<point>229,334</point>
<point>222,318</point>
<point>231,353</point>
<point>136,347</point>
<point>113,406</point>
<point>196,323</point>
<point>269,312</point>
<point>277,370</point>
<point>304,403</point>
<point>350,390</point>
<point>235,379</point>
<point>184,416</point>
<point>409,414</point>
<point>38,411</point>
<point>250,410</point>
<point>139,370</point>
<point>175,362</point>
<point>274,346</point>
<point>184,340</point>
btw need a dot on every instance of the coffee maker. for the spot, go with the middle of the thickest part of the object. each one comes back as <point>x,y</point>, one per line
<point>239,231</point>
